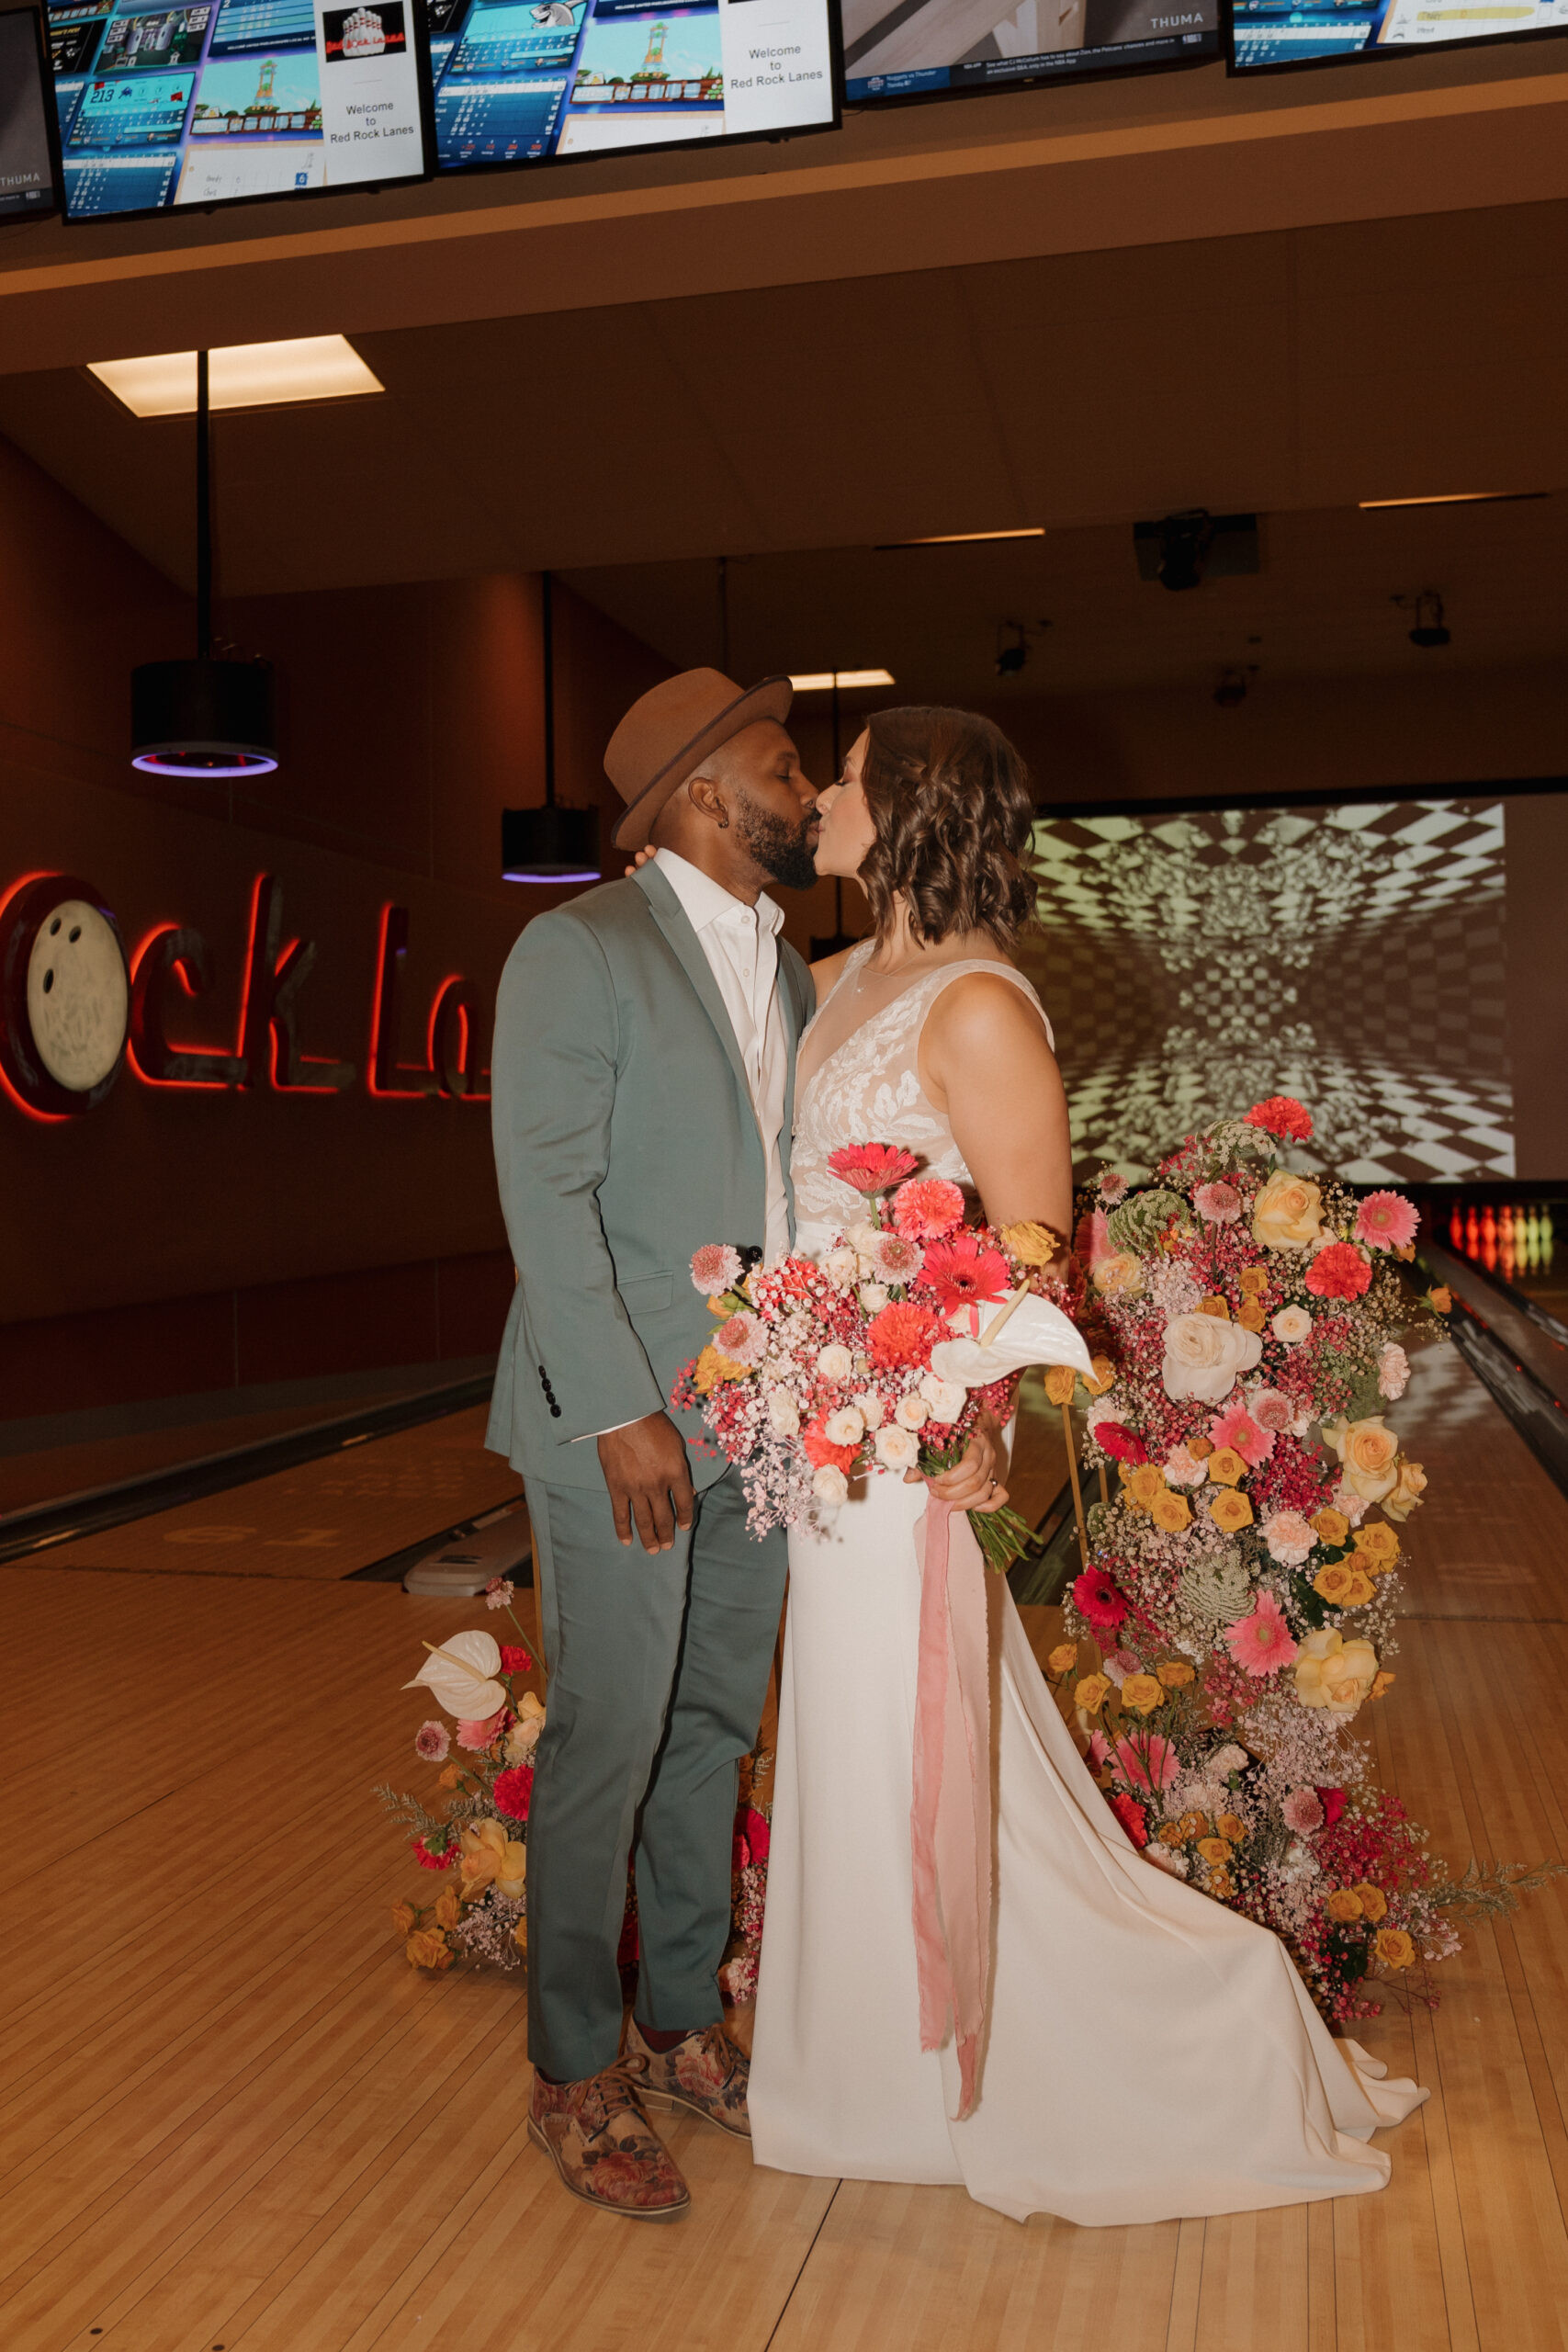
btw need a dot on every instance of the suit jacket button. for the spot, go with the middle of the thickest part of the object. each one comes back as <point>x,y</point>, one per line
<point>555,1412</point>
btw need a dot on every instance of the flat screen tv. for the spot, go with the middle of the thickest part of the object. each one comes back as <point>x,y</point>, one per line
<point>950,47</point>
<point>218,101</point>
<point>522,81</point>
<point>1270,36</point>
<point>29,169</point>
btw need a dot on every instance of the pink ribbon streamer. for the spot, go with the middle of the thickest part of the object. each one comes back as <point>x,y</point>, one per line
<point>949,1816</point>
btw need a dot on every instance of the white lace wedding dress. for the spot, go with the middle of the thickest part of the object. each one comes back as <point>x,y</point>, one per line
<point>1148,2053</point>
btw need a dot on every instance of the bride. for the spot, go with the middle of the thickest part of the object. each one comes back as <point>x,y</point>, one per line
<point>1147,2053</point>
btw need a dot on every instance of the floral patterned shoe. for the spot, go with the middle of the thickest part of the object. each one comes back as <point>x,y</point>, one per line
<point>705,2075</point>
<point>604,2148</point>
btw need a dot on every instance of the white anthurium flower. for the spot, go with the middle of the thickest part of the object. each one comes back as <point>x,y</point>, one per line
<point>459,1676</point>
<point>1036,1332</point>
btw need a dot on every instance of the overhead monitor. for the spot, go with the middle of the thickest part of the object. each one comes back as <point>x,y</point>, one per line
<point>29,175</point>
<point>949,48</point>
<point>1268,36</point>
<point>217,101</point>
<point>520,80</point>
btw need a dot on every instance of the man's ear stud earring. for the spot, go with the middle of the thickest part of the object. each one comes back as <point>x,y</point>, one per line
<point>724,824</point>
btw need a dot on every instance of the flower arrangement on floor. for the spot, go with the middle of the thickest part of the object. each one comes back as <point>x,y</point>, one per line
<point>878,1358</point>
<point>1241,1588</point>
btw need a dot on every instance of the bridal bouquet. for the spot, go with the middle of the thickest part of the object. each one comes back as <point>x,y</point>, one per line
<point>883,1356</point>
<point>1243,1585</point>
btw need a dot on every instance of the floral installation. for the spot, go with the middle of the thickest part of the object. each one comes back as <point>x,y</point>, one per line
<point>1237,1607</point>
<point>819,1373</point>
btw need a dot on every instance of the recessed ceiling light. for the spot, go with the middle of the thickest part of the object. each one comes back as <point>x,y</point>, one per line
<point>962,539</point>
<point>818,681</point>
<point>243,375</point>
<point>1455,498</point>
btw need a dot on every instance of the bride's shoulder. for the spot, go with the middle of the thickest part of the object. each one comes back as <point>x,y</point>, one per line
<point>983,1006</point>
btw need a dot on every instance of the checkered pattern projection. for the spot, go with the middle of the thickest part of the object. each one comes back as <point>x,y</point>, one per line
<point>1350,957</point>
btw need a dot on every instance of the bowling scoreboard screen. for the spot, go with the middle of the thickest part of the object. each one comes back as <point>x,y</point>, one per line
<point>521,81</point>
<point>221,100</point>
<point>1269,34</point>
<point>952,47</point>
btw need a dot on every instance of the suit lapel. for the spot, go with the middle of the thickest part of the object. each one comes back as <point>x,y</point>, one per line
<point>671,916</point>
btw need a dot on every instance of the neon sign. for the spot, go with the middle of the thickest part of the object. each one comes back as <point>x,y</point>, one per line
<point>75,1009</point>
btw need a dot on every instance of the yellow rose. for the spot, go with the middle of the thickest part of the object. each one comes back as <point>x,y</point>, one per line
<point>1120,1274</point>
<point>1091,1693</point>
<point>450,1778</point>
<point>1378,1544</point>
<point>1406,1491</point>
<point>1369,1453</point>
<point>448,1910</point>
<point>1226,1466</point>
<point>1147,1481</point>
<point>1174,1673</point>
<point>1199,1448</point>
<point>1029,1243</point>
<point>1214,1851</point>
<point>1393,1948</point>
<point>1060,1381</point>
<point>520,1937</point>
<point>1441,1298</point>
<point>512,1870</point>
<point>1334,1673</point>
<point>1173,1512</point>
<point>1230,1512</point>
<point>1381,1681</point>
<point>1172,1834</point>
<point>1343,1904</point>
<point>1288,1212</point>
<point>1192,1824</point>
<point>1222,1886</point>
<point>1215,1304</point>
<point>480,1848</point>
<point>403,1918</point>
<point>1232,1825</point>
<point>1361,1589</point>
<point>1250,1315</point>
<point>1333,1584</point>
<point>1063,1659</point>
<point>1102,1377</point>
<point>1142,1692</point>
<point>1374,1903</point>
<point>1252,1281</point>
<point>1332,1527</point>
<point>428,1948</point>
<point>706,1377</point>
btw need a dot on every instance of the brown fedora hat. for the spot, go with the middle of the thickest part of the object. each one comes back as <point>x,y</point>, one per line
<point>670,731</point>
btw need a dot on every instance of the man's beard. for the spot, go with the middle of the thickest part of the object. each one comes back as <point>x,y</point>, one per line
<point>781,850</point>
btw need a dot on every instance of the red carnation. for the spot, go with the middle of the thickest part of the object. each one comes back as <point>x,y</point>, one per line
<point>514,1658</point>
<point>1099,1599</point>
<point>1131,1815</point>
<point>429,1862</point>
<point>1340,1272</point>
<point>820,1450</point>
<point>962,1274</point>
<point>1333,1804</point>
<point>900,1334</point>
<point>1122,1443</point>
<point>514,1792</point>
<point>1281,1114</point>
<point>872,1168</point>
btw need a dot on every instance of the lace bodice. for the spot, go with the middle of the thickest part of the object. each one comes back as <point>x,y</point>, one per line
<point>869,1091</point>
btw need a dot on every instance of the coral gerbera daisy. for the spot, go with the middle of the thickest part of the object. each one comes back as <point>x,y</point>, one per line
<point>870,1167</point>
<point>1262,1642</point>
<point>962,1274</point>
<point>1386,1221</point>
<point>1244,1435</point>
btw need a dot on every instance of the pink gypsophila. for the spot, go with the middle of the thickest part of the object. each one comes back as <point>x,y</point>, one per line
<point>928,1209</point>
<point>1217,1203</point>
<point>743,1339</point>
<point>1262,1643</point>
<point>1386,1221</point>
<point>1281,1114</point>
<point>870,1167</point>
<point>1238,1429</point>
<point>1340,1272</point>
<point>716,1268</point>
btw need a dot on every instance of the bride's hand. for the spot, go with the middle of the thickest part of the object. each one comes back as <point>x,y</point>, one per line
<point>640,859</point>
<point>973,1482</point>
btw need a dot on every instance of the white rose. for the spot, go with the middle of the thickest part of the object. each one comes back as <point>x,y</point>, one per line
<point>897,1449</point>
<point>845,1427</point>
<point>783,1413</point>
<point>873,1411</point>
<point>873,1297</point>
<point>949,1400</point>
<point>835,1363</point>
<point>1203,1355</point>
<point>864,1237</point>
<point>841,1266</point>
<point>911,1412</point>
<point>829,1485</point>
<point>1291,1326</point>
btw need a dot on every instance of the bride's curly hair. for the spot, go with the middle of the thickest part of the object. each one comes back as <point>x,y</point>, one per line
<point>953,807</point>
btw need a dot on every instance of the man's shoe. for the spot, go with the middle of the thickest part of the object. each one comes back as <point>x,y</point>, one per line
<point>604,2148</point>
<point>705,2075</point>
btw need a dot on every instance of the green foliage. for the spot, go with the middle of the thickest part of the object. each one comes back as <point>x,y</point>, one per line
<point>1493,1894</point>
<point>1142,1218</point>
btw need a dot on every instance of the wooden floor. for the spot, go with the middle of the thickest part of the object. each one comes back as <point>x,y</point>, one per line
<point>233,2117</point>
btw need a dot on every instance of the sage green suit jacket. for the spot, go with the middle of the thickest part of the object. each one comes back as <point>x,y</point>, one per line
<point>625,1138</point>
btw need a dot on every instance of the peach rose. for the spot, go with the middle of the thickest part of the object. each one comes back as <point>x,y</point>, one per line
<point>1407,1491</point>
<point>1369,1452</point>
<point>1334,1673</point>
<point>1204,1358</point>
<point>1232,1825</point>
<point>1119,1274</point>
<point>1288,1212</point>
<point>1382,1680</point>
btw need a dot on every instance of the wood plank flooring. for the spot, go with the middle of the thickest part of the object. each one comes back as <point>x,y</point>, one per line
<point>232,2115</point>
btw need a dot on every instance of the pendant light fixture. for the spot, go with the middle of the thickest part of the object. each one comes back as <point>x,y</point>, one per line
<point>551,843</point>
<point>204,719</point>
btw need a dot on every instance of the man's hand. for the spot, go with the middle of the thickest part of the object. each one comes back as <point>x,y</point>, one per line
<point>973,1484</point>
<point>649,1481</point>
